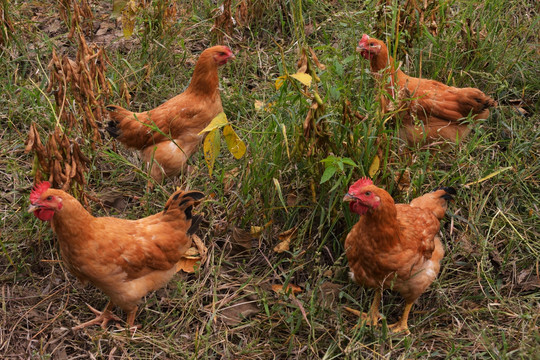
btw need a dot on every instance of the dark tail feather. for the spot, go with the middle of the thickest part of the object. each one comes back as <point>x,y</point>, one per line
<point>450,192</point>
<point>195,222</point>
<point>184,201</point>
<point>112,126</point>
<point>113,129</point>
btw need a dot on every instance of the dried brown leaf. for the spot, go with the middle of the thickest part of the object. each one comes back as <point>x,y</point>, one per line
<point>234,314</point>
<point>289,289</point>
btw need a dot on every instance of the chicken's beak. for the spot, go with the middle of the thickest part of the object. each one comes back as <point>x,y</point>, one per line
<point>32,208</point>
<point>349,198</point>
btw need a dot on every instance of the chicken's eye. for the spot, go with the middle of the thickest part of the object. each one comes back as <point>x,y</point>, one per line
<point>49,198</point>
<point>372,45</point>
<point>368,193</point>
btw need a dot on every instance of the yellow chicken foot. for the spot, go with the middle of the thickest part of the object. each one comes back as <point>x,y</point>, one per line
<point>102,318</point>
<point>401,325</point>
<point>371,318</point>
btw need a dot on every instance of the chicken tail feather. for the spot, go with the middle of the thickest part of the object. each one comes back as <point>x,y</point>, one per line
<point>435,201</point>
<point>195,222</point>
<point>184,202</point>
<point>449,192</point>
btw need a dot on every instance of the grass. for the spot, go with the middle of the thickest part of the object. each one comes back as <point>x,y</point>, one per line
<point>485,302</point>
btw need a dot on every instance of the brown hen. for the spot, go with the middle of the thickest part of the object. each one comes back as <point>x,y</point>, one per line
<point>394,246</point>
<point>126,259</point>
<point>179,120</point>
<point>428,110</point>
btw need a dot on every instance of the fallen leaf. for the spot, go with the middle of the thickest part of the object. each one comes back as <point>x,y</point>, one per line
<point>257,230</point>
<point>242,239</point>
<point>329,294</point>
<point>234,314</point>
<point>187,265</point>
<point>292,199</point>
<point>403,180</point>
<point>259,105</point>
<point>193,257</point>
<point>285,240</point>
<point>316,60</point>
<point>290,289</point>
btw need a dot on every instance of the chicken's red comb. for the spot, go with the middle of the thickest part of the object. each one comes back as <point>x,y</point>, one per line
<point>364,39</point>
<point>38,190</point>
<point>365,181</point>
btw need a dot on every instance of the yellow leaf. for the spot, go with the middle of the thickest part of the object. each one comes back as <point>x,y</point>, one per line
<point>256,231</point>
<point>211,149</point>
<point>284,131</point>
<point>118,6</point>
<point>374,167</point>
<point>128,17</point>
<point>234,143</point>
<point>489,176</point>
<point>280,81</point>
<point>219,121</point>
<point>303,78</point>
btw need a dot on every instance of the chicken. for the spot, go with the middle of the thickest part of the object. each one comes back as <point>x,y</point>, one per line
<point>428,109</point>
<point>126,259</point>
<point>394,246</point>
<point>179,120</point>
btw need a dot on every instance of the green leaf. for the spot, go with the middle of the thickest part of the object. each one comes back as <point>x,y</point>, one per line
<point>219,121</point>
<point>328,173</point>
<point>235,145</point>
<point>303,78</point>
<point>349,161</point>
<point>211,147</point>
<point>330,160</point>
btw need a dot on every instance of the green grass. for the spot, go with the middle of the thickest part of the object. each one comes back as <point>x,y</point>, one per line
<point>485,302</point>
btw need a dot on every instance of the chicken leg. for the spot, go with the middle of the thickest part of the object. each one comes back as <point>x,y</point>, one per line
<point>401,325</point>
<point>372,316</point>
<point>102,318</point>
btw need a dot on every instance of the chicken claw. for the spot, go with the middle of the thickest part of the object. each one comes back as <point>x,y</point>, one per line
<point>401,325</point>
<point>102,318</point>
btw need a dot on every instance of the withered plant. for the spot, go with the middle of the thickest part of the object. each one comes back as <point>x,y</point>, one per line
<point>77,14</point>
<point>80,89</point>
<point>60,161</point>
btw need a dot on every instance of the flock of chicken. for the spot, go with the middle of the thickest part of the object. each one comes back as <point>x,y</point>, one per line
<point>392,246</point>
